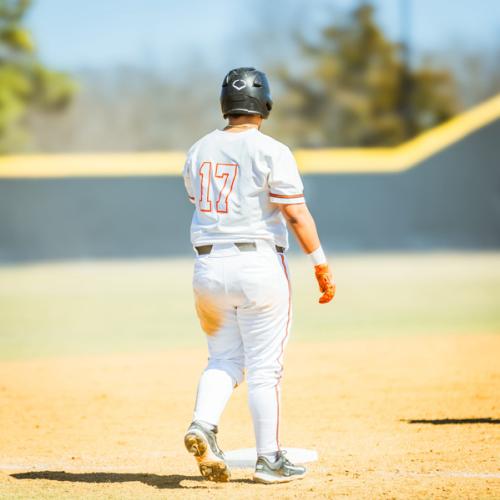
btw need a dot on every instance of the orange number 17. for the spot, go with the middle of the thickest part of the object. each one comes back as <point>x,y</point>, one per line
<point>216,184</point>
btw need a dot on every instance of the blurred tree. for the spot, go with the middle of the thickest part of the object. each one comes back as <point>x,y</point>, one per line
<point>24,82</point>
<point>476,72</point>
<point>356,90</point>
<point>147,109</point>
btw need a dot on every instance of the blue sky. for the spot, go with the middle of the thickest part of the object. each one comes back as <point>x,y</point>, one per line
<point>221,33</point>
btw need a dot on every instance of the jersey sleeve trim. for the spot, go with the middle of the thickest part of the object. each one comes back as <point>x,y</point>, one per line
<point>274,195</point>
<point>286,198</point>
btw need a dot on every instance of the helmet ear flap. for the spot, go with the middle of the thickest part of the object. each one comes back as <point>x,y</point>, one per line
<point>226,81</point>
<point>257,81</point>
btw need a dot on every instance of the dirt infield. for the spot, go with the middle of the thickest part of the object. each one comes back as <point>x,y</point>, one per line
<point>112,426</point>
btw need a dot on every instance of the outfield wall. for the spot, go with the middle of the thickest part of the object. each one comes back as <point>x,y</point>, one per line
<point>448,201</point>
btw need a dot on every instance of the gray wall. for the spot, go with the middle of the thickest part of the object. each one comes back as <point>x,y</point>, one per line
<point>450,201</point>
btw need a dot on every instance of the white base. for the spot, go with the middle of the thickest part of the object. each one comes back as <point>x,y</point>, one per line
<point>246,457</point>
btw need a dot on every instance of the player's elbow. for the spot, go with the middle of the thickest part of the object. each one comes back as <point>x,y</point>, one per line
<point>295,214</point>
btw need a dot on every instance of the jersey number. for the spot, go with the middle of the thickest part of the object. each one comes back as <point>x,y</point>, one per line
<point>223,182</point>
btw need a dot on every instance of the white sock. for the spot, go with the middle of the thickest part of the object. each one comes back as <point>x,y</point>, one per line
<point>271,457</point>
<point>214,390</point>
<point>265,407</point>
<point>206,425</point>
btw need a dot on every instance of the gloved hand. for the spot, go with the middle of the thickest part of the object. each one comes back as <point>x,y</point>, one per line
<point>325,282</point>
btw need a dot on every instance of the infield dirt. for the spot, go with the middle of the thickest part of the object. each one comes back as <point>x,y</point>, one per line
<point>112,426</point>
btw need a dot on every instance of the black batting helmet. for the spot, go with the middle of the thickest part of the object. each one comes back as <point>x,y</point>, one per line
<point>245,91</point>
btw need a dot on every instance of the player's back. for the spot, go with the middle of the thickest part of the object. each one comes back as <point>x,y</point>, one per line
<point>235,179</point>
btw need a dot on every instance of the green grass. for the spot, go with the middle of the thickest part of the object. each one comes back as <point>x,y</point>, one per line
<point>98,307</point>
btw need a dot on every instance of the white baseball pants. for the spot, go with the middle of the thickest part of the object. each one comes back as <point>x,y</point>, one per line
<point>248,295</point>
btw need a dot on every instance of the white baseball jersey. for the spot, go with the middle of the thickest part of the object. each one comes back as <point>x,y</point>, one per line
<point>234,179</point>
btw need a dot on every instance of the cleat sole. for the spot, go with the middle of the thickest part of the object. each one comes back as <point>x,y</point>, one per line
<point>195,445</point>
<point>213,470</point>
<point>264,478</point>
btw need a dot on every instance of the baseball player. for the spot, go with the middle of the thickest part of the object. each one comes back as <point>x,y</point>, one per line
<point>245,187</point>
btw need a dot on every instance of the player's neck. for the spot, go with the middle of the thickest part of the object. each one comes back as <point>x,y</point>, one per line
<point>242,123</point>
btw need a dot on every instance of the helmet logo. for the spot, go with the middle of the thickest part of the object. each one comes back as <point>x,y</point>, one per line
<point>239,84</point>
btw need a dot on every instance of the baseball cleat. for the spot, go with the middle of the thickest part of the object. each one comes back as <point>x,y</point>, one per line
<point>280,471</point>
<point>203,445</point>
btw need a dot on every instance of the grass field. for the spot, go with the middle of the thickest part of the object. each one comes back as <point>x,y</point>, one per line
<point>99,362</point>
<point>100,307</point>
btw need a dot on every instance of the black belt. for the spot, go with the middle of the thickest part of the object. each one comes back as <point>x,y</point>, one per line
<point>243,247</point>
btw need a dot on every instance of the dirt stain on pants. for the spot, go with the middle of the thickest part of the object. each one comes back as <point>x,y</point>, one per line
<point>209,314</point>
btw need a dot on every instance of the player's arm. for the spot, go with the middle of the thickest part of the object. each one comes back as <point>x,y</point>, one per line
<point>287,191</point>
<point>187,180</point>
<point>302,224</point>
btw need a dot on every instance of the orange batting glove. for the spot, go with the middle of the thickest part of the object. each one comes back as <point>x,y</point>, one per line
<point>325,282</point>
